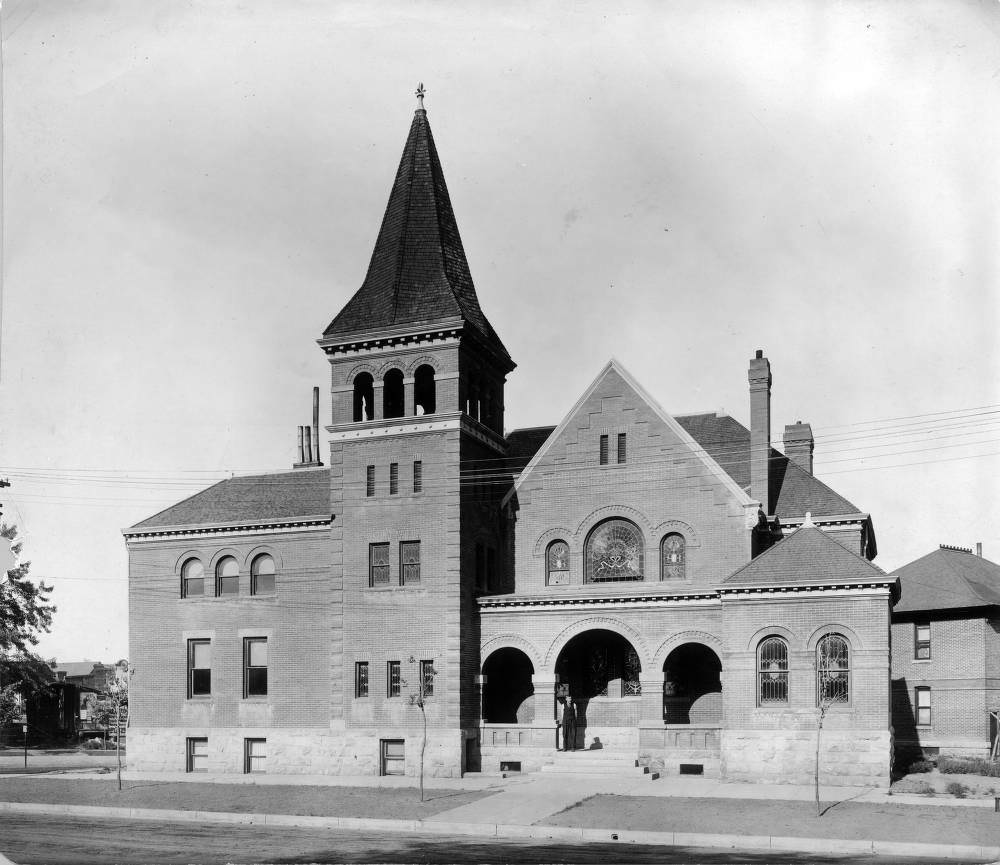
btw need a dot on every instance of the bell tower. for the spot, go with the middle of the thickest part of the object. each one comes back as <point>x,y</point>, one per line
<point>416,440</point>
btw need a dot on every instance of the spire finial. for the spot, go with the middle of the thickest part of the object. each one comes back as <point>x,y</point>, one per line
<point>420,95</point>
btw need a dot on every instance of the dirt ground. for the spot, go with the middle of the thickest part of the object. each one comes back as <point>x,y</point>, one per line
<point>384,803</point>
<point>932,824</point>
<point>979,786</point>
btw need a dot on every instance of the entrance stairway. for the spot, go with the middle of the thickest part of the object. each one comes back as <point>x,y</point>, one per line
<point>597,762</point>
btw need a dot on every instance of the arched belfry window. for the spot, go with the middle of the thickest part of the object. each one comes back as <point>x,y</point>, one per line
<point>557,564</point>
<point>364,397</point>
<point>424,396</point>
<point>772,672</point>
<point>614,551</point>
<point>833,670</point>
<point>393,401</point>
<point>673,557</point>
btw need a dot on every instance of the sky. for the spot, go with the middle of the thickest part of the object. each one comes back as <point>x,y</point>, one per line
<point>192,191</point>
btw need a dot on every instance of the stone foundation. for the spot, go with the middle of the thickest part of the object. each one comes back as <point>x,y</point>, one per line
<point>293,751</point>
<point>848,758</point>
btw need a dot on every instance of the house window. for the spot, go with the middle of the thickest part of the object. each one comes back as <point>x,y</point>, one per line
<point>262,576</point>
<point>393,680</point>
<point>621,447</point>
<point>361,679</point>
<point>378,564</point>
<point>833,671</point>
<point>557,564</point>
<point>199,668</point>
<point>192,579</point>
<point>673,557</point>
<point>197,755</point>
<point>409,563</point>
<point>255,667</point>
<point>393,478</point>
<point>922,641</point>
<point>604,450</point>
<point>427,672</point>
<point>772,672</point>
<point>227,577</point>
<point>254,756</point>
<point>922,703</point>
<point>393,752</point>
<point>614,551</point>
<point>370,481</point>
<point>418,476</point>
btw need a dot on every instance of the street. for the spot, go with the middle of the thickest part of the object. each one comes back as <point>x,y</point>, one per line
<point>70,841</point>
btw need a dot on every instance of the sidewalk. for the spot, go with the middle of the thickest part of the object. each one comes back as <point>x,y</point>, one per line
<point>633,810</point>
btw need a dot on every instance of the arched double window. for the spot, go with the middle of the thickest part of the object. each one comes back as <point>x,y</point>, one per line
<point>772,672</point>
<point>262,575</point>
<point>192,579</point>
<point>557,564</point>
<point>227,577</point>
<point>833,670</point>
<point>614,552</point>
<point>673,557</point>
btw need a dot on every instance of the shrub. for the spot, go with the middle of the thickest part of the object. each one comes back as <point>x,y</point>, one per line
<point>920,766</point>
<point>92,744</point>
<point>968,766</point>
<point>909,786</point>
<point>959,791</point>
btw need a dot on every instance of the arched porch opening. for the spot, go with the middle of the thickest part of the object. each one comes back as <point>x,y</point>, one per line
<point>508,693</point>
<point>692,686</point>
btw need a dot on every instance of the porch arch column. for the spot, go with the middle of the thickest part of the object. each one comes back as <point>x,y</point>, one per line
<point>545,701</point>
<point>651,708</point>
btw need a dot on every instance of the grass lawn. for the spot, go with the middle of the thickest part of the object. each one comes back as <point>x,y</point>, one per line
<point>930,824</point>
<point>381,802</point>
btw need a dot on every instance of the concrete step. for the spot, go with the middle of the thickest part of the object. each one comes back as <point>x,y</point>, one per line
<point>597,763</point>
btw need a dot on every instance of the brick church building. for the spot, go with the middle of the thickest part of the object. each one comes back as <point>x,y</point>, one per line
<point>697,593</point>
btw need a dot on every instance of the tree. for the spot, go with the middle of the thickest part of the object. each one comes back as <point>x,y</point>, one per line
<point>425,678</point>
<point>110,710</point>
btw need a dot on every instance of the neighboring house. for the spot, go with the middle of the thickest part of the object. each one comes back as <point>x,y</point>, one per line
<point>62,710</point>
<point>696,591</point>
<point>946,655</point>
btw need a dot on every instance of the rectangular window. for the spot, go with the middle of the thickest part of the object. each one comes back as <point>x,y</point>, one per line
<point>378,564</point>
<point>393,757</point>
<point>370,481</point>
<point>199,668</point>
<point>361,679</point>
<point>409,563</point>
<point>427,672</point>
<point>491,569</point>
<point>604,450</point>
<point>197,755</point>
<point>392,679</point>
<point>480,568</point>
<point>254,756</point>
<point>922,704</point>
<point>393,478</point>
<point>255,667</point>
<point>418,476</point>
<point>621,447</point>
<point>922,641</point>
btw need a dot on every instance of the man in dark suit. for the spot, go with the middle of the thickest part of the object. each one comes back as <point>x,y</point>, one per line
<point>569,724</point>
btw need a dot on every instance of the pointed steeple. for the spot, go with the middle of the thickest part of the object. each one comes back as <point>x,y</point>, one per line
<point>418,273</point>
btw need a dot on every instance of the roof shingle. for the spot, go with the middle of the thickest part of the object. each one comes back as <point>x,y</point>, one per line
<point>948,579</point>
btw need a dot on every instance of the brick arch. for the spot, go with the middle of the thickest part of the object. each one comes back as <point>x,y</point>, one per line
<point>789,636</point>
<point>610,512</point>
<point>394,363</point>
<point>509,641</point>
<point>189,554</point>
<point>853,641</point>
<point>424,360</point>
<point>703,638</point>
<point>360,368</point>
<point>691,538</point>
<point>550,535</point>
<point>261,550</point>
<point>597,623</point>
<point>219,555</point>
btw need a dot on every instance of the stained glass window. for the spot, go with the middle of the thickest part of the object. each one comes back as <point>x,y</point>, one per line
<point>409,563</point>
<point>772,672</point>
<point>673,556</point>
<point>557,564</point>
<point>378,564</point>
<point>833,670</point>
<point>614,552</point>
<point>630,679</point>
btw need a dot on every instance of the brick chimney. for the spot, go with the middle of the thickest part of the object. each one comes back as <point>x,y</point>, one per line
<point>760,429</point>
<point>799,444</point>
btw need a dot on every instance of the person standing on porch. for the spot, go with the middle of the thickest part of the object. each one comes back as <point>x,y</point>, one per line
<point>569,724</point>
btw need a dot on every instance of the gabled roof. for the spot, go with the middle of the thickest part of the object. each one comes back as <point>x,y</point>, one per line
<point>418,274</point>
<point>613,367</point>
<point>264,498</point>
<point>948,579</point>
<point>807,556</point>
<point>76,669</point>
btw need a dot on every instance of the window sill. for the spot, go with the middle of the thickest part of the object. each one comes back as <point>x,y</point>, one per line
<point>200,698</point>
<point>411,588</point>
<point>256,698</point>
<point>921,660</point>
